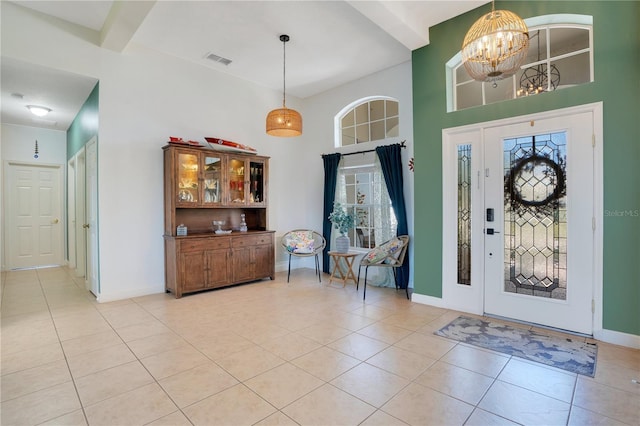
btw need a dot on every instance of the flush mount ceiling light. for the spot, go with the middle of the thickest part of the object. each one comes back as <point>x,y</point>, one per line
<point>39,111</point>
<point>284,122</point>
<point>495,46</point>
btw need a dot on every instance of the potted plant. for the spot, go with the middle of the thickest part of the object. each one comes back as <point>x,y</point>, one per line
<point>342,221</point>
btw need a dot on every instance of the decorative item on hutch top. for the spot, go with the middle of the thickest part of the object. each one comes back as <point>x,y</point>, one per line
<point>343,222</point>
<point>495,46</point>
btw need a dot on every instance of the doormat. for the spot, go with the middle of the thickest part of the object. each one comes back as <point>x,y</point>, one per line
<point>564,353</point>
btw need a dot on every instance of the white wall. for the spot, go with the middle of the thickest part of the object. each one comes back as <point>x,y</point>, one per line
<point>17,143</point>
<point>146,97</point>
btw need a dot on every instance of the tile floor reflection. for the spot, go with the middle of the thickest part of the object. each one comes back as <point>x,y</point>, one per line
<point>274,352</point>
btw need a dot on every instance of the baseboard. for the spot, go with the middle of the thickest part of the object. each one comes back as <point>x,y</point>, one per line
<point>282,266</point>
<point>428,300</point>
<point>617,338</point>
<point>135,292</point>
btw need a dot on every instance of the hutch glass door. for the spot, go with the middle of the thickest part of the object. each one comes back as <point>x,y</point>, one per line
<point>187,192</point>
<point>237,184</point>
<point>212,179</point>
<point>256,182</point>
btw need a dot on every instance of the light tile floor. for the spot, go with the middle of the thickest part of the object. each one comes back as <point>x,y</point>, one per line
<point>272,353</point>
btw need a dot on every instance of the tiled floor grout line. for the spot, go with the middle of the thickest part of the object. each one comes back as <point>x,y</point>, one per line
<point>66,360</point>
<point>139,360</point>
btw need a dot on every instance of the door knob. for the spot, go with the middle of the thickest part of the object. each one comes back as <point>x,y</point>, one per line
<point>55,221</point>
<point>85,226</point>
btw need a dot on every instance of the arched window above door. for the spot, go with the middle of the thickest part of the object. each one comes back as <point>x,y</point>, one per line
<point>560,56</point>
<point>368,119</point>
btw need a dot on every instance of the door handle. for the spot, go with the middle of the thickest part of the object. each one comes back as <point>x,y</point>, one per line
<point>85,226</point>
<point>491,231</point>
<point>54,221</point>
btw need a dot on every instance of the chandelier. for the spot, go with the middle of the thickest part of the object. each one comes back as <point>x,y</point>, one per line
<point>537,79</point>
<point>495,46</point>
<point>283,121</point>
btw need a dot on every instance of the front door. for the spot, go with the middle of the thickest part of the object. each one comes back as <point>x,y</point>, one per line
<point>34,213</point>
<point>539,222</point>
<point>522,218</point>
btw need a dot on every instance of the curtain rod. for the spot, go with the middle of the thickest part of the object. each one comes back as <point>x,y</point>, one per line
<point>402,145</point>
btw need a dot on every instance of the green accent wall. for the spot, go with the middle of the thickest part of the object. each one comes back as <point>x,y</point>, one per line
<point>616,41</point>
<point>85,125</point>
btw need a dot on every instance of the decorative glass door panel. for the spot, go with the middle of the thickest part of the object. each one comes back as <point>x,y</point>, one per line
<point>257,186</point>
<point>535,212</point>
<point>464,214</point>
<point>212,179</point>
<point>188,188</point>
<point>237,183</point>
<point>538,213</point>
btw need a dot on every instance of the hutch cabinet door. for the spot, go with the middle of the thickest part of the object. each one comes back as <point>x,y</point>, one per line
<point>247,181</point>
<point>187,179</point>
<point>243,264</point>
<point>263,264</point>
<point>212,179</point>
<point>237,182</point>
<point>193,272</point>
<point>218,268</point>
<point>257,181</point>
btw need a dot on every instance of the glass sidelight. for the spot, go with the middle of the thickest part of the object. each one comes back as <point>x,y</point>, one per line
<point>464,214</point>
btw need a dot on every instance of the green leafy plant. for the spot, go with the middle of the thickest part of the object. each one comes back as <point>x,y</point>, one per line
<point>341,220</point>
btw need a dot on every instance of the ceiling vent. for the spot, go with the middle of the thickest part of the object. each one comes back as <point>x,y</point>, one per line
<point>215,58</point>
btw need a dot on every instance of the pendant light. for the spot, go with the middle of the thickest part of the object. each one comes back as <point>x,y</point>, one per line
<point>495,46</point>
<point>537,78</point>
<point>284,122</point>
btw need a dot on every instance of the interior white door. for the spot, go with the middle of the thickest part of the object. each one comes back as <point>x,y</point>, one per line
<point>92,216</point>
<point>80,207</point>
<point>71,213</point>
<point>34,213</point>
<point>538,222</point>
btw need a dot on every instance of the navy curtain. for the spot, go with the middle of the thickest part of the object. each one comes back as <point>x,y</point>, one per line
<point>331,162</point>
<point>391,163</point>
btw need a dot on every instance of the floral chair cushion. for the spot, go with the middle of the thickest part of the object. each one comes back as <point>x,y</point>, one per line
<point>387,252</point>
<point>300,242</point>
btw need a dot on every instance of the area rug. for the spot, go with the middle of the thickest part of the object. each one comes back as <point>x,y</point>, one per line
<point>567,354</point>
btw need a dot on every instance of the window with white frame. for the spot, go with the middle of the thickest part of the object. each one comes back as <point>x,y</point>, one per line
<point>560,55</point>
<point>361,188</point>
<point>362,191</point>
<point>371,120</point>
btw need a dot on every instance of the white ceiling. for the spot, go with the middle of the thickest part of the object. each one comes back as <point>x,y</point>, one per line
<point>332,42</point>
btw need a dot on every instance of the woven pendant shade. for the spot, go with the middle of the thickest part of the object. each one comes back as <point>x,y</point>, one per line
<point>284,122</point>
<point>495,46</point>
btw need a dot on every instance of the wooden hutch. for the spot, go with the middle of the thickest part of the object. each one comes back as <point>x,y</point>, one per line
<point>201,186</point>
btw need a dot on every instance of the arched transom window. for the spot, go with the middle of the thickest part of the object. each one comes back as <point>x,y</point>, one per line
<point>369,119</point>
<point>560,55</point>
